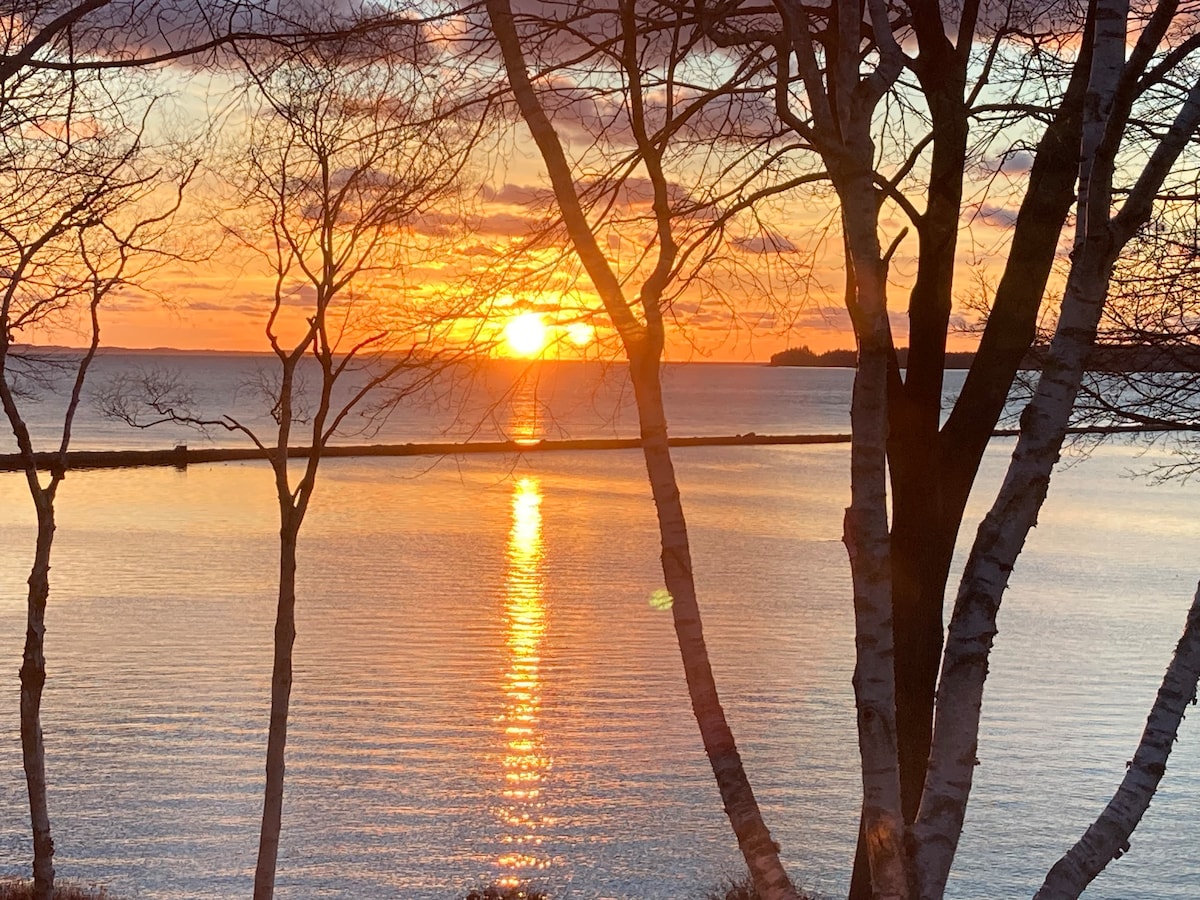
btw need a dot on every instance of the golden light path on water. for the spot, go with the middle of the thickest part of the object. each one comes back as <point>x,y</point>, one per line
<point>526,419</point>
<point>526,761</point>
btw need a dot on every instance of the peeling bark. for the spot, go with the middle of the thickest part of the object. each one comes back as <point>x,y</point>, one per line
<point>1108,837</point>
<point>868,544</point>
<point>1003,531</point>
<point>842,100</point>
<point>998,543</point>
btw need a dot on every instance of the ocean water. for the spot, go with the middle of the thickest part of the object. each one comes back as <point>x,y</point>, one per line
<point>484,691</point>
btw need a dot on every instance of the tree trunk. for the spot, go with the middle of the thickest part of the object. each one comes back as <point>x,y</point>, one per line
<point>760,851</point>
<point>997,545</point>
<point>33,679</point>
<point>1108,837</point>
<point>920,557</point>
<point>1043,427</point>
<point>868,541</point>
<point>281,690</point>
<point>932,473</point>
<point>643,346</point>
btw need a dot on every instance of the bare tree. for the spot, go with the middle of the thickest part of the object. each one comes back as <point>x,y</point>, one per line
<point>124,34</point>
<point>89,201</point>
<point>917,129</point>
<point>658,105</point>
<point>1145,371</point>
<point>346,145</point>
<point>842,84</point>
<point>1121,174</point>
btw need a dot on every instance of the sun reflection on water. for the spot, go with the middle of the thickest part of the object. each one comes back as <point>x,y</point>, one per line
<point>525,760</point>
<point>526,416</point>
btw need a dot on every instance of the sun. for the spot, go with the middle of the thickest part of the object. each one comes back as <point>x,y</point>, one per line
<point>526,334</point>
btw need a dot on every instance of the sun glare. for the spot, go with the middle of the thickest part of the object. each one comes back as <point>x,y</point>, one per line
<point>580,333</point>
<point>526,334</point>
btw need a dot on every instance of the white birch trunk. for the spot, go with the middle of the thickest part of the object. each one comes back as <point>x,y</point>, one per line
<point>1043,427</point>
<point>998,542</point>
<point>868,544</point>
<point>1108,837</point>
<point>1108,61</point>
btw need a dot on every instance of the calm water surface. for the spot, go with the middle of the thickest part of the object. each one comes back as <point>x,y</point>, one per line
<point>484,692</point>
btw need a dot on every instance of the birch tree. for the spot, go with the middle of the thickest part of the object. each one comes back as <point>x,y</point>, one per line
<point>1106,220</point>
<point>657,108</point>
<point>842,103</point>
<point>346,147</point>
<point>840,73</point>
<point>88,200</point>
<point>972,78</point>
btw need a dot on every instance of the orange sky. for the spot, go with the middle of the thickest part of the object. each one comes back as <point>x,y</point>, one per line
<point>778,288</point>
<point>222,303</point>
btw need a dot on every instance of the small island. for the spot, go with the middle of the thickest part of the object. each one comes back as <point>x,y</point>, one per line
<point>1111,358</point>
<point>848,359</point>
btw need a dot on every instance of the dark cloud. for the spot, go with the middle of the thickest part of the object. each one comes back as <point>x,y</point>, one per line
<point>138,29</point>
<point>1016,162</point>
<point>517,194</point>
<point>501,225</point>
<point>209,306</point>
<point>996,215</point>
<point>498,224</point>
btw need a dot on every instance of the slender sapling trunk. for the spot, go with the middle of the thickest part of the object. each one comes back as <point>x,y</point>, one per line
<point>281,691</point>
<point>33,679</point>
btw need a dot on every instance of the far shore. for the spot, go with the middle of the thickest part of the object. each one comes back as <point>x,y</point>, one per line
<point>1110,358</point>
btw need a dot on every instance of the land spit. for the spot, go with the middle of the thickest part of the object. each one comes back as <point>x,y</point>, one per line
<point>182,455</point>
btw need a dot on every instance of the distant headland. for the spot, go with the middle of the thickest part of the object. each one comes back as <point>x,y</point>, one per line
<point>1105,358</point>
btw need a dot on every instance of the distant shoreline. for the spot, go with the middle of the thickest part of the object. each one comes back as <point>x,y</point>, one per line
<point>1111,358</point>
<point>52,350</point>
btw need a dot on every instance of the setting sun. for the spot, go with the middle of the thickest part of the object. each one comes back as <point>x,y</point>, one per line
<point>526,334</point>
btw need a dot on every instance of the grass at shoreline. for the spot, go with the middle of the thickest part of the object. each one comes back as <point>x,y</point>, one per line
<point>728,889</point>
<point>23,890</point>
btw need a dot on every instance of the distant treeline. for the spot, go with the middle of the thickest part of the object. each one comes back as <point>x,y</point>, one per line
<point>1108,358</point>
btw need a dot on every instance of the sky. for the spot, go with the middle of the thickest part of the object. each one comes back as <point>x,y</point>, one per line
<point>778,294</point>
<point>773,281</point>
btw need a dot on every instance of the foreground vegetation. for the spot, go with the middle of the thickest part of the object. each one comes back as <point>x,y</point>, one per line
<point>728,889</point>
<point>23,890</point>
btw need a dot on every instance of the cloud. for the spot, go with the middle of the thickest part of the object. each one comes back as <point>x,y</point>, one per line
<point>767,242</point>
<point>479,249</point>
<point>1016,162</point>
<point>497,224</point>
<point>501,224</point>
<point>517,194</point>
<point>996,215</point>
<point>130,29</point>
